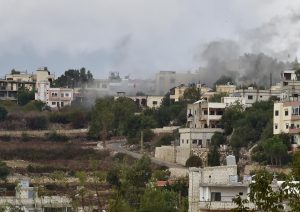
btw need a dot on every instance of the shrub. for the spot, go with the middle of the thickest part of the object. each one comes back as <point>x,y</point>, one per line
<point>3,113</point>
<point>5,138</point>
<point>78,119</point>
<point>4,170</point>
<point>148,135</point>
<point>25,137</point>
<point>37,122</point>
<point>165,140</point>
<point>193,161</point>
<point>54,136</point>
<point>59,117</point>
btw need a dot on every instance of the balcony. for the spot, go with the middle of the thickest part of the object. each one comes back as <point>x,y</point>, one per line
<point>294,130</point>
<point>220,205</point>
<point>211,117</point>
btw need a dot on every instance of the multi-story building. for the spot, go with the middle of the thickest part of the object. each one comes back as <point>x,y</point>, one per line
<point>43,79</point>
<point>286,119</point>
<point>10,85</point>
<point>228,88</point>
<point>204,114</point>
<point>177,93</point>
<point>59,97</point>
<point>212,188</point>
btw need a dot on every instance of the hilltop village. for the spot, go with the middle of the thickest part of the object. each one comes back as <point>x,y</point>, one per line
<point>171,143</point>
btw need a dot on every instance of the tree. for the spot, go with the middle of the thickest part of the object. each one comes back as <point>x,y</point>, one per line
<point>296,165</point>
<point>159,201</point>
<point>231,116</point>
<point>192,94</point>
<point>217,139</point>
<point>4,170</point>
<point>217,97</point>
<point>262,195</point>
<point>193,161</point>
<point>74,78</point>
<point>213,157</point>
<point>24,96</point>
<point>3,113</point>
<point>165,140</point>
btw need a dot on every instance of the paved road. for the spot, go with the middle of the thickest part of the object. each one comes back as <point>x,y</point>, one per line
<point>117,146</point>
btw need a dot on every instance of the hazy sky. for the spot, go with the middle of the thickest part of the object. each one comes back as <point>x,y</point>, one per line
<point>139,37</point>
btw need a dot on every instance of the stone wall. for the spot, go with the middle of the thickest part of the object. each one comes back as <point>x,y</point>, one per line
<point>166,153</point>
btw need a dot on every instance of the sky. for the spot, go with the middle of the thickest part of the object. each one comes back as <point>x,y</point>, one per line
<point>140,37</point>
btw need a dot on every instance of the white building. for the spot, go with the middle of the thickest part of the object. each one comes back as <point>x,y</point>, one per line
<point>233,100</point>
<point>286,119</point>
<point>27,199</point>
<point>59,97</point>
<point>212,188</point>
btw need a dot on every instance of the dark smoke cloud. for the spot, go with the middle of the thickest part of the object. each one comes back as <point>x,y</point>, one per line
<point>258,52</point>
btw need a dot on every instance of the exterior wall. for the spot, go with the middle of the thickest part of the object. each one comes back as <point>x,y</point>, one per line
<point>202,114</point>
<point>41,91</point>
<point>225,88</point>
<point>154,101</point>
<point>59,97</point>
<point>233,100</point>
<point>286,119</point>
<point>178,93</point>
<point>22,77</point>
<point>167,153</point>
<point>252,95</point>
<point>190,137</point>
<point>44,75</point>
<point>204,181</point>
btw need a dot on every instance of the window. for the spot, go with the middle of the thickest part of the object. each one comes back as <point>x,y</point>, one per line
<point>286,112</point>
<point>62,95</point>
<point>205,112</point>
<point>286,126</point>
<point>194,141</point>
<point>62,104</point>
<point>182,141</point>
<point>292,126</point>
<point>250,97</point>
<point>187,141</point>
<point>53,103</point>
<point>215,196</point>
<point>276,112</point>
<point>241,193</point>
<point>67,94</point>
<point>276,126</point>
<point>154,102</point>
<point>200,142</point>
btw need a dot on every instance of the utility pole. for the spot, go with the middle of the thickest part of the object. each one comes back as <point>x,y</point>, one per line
<point>142,142</point>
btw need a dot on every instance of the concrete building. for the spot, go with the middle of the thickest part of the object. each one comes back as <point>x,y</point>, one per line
<point>286,119</point>
<point>212,188</point>
<point>290,86</point>
<point>154,101</point>
<point>59,97</point>
<point>228,88</point>
<point>233,100</point>
<point>204,114</point>
<point>177,93</point>
<point>43,79</point>
<point>252,95</point>
<point>27,199</point>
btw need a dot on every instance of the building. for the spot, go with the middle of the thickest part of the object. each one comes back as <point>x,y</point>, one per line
<point>286,119</point>
<point>233,100</point>
<point>252,95</point>
<point>43,80</point>
<point>59,97</point>
<point>27,199</point>
<point>212,188</point>
<point>177,93</point>
<point>228,88</point>
<point>204,114</point>
<point>143,101</point>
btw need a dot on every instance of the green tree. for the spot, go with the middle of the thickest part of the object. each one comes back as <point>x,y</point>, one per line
<point>213,157</point>
<point>191,94</point>
<point>3,113</point>
<point>159,201</point>
<point>4,170</point>
<point>74,78</point>
<point>217,139</point>
<point>217,97</point>
<point>193,161</point>
<point>24,96</point>
<point>296,165</point>
<point>230,116</point>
